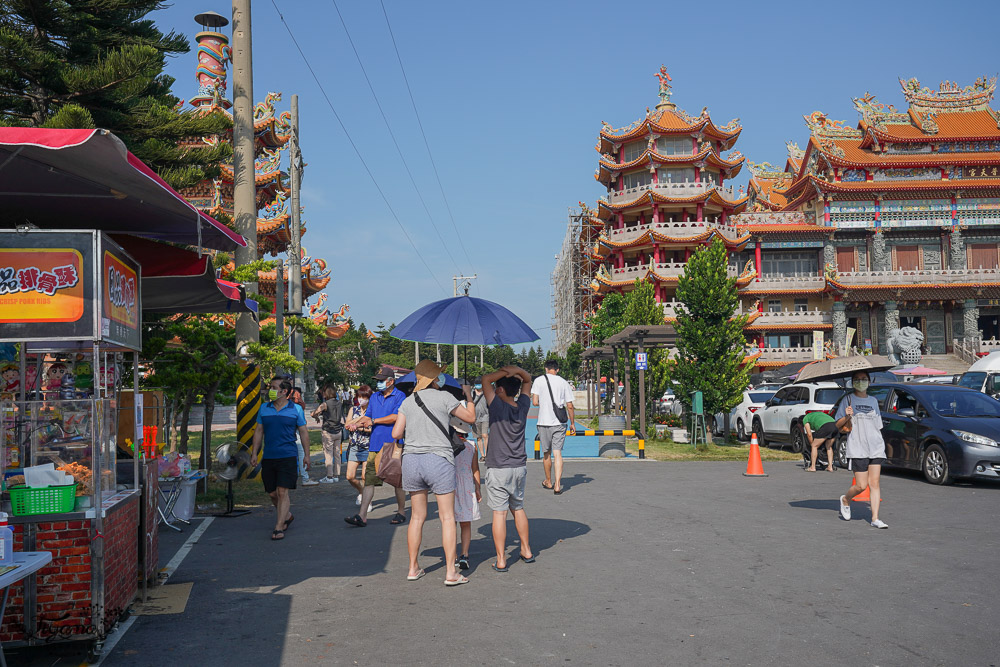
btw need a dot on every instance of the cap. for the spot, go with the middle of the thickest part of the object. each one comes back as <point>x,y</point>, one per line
<point>385,373</point>
<point>426,372</point>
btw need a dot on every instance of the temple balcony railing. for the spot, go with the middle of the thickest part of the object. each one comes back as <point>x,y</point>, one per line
<point>663,269</point>
<point>670,308</point>
<point>680,230</point>
<point>917,277</point>
<point>678,190</point>
<point>806,319</point>
<point>781,354</point>
<point>776,282</point>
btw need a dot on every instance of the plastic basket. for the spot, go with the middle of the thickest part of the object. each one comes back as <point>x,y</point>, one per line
<point>44,500</point>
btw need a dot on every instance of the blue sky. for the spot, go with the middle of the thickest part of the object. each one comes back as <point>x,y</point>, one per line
<point>512,95</point>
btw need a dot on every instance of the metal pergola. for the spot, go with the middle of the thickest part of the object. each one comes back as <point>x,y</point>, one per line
<point>639,338</point>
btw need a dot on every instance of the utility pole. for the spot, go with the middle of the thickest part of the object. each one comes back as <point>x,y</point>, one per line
<point>279,299</point>
<point>466,284</point>
<point>295,246</point>
<point>244,182</point>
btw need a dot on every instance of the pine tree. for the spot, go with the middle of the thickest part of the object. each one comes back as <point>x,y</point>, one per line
<point>710,340</point>
<point>99,63</point>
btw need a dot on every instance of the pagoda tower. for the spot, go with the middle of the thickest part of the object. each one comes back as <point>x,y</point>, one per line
<point>272,132</point>
<point>665,176</point>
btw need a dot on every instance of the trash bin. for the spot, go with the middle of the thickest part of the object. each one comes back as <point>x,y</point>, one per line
<point>611,446</point>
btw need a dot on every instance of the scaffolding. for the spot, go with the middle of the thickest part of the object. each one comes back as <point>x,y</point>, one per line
<point>573,299</point>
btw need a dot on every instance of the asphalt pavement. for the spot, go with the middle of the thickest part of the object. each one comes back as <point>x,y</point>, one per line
<point>639,562</point>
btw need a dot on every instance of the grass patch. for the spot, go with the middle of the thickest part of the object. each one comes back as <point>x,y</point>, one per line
<point>668,450</point>
<point>247,493</point>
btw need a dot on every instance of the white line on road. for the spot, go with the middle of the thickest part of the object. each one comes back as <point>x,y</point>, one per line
<point>171,567</point>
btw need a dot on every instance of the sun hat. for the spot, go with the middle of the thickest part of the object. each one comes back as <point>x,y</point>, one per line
<point>426,372</point>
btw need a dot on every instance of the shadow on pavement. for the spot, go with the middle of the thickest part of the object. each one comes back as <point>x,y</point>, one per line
<point>575,480</point>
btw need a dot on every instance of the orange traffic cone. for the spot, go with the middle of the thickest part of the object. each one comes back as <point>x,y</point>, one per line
<point>754,467</point>
<point>864,495</point>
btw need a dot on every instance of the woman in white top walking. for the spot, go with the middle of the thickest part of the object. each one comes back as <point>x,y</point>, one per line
<point>865,446</point>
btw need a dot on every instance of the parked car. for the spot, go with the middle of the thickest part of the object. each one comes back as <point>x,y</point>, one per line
<point>984,375</point>
<point>769,386</point>
<point>945,432</point>
<point>666,401</point>
<point>780,420</point>
<point>741,416</point>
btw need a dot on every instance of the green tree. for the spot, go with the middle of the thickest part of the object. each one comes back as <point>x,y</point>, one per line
<point>573,361</point>
<point>99,63</point>
<point>710,340</point>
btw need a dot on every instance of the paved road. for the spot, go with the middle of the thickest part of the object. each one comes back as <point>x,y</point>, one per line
<point>638,563</point>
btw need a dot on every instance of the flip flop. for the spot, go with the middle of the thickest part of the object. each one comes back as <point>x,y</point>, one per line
<point>499,569</point>
<point>277,535</point>
<point>456,582</point>
<point>528,560</point>
<point>397,519</point>
<point>288,522</point>
<point>355,521</point>
<point>414,577</point>
<point>546,486</point>
<point>558,492</point>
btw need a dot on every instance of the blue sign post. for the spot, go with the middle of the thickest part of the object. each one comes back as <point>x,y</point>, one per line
<point>640,361</point>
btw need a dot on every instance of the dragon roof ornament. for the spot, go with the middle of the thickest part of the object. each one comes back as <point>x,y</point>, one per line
<point>949,96</point>
<point>766,170</point>
<point>877,114</point>
<point>819,124</point>
<point>794,152</point>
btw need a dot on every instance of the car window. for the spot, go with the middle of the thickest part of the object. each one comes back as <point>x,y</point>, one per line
<point>780,397</point>
<point>828,395</point>
<point>801,396</point>
<point>959,403</point>
<point>879,394</point>
<point>904,400</point>
<point>760,396</point>
<point>972,380</point>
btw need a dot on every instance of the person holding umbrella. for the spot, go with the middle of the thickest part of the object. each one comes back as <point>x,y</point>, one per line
<point>865,446</point>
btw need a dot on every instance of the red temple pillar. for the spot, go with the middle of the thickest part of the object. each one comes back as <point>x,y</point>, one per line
<point>656,254</point>
<point>687,216</point>
<point>701,211</point>
<point>756,256</point>
<point>687,254</point>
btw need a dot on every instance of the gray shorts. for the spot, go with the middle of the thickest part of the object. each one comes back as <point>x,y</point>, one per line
<point>482,427</point>
<point>428,472</point>
<point>552,438</point>
<point>505,488</point>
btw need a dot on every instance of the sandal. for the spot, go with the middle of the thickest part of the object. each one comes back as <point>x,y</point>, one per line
<point>288,522</point>
<point>277,535</point>
<point>546,486</point>
<point>526,559</point>
<point>505,568</point>
<point>397,519</point>
<point>356,520</point>
<point>456,582</point>
<point>558,492</point>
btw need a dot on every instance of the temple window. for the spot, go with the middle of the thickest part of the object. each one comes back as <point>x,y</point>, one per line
<point>673,145</point>
<point>634,149</point>
<point>801,305</point>
<point>638,179</point>
<point>982,256</point>
<point>790,263</point>
<point>709,177</point>
<point>675,175</point>
<point>774,305</point>
<point>790,340</point>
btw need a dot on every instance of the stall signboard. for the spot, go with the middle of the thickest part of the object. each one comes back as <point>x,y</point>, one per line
<point>120,316</point>
<point>69,286</point>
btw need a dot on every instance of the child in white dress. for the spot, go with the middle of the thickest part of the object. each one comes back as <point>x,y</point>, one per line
<point>467,496</point>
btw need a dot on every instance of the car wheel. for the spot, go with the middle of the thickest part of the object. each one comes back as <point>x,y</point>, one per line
<point>741,430</point>
<point>758,430</point>
<point>935,465</point>
<point>798,440</point>
<point>840,451</point>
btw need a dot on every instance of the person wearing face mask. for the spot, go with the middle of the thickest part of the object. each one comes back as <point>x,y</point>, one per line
<point>429,461</point>
<point>357,450</point>
<point>278,422</point>
<point>865,446</point>
<point>383,408</point>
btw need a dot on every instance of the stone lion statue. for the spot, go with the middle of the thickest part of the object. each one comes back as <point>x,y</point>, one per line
<point>903,345</point>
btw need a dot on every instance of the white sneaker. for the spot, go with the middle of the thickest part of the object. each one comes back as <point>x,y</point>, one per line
<point>879,523</point>
<point>357,501</point>
<point>309,482</point>
<point>335,479</point>
<point>327,480</point>
<point>845,509</point>
<point>370,506</point>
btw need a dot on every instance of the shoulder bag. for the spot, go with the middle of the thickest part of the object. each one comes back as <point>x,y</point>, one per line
<point>457,444</point>
<point>849,424</point>
<point>560,411</point>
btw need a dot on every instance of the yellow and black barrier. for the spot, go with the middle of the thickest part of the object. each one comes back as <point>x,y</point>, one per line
<point>627,432</point>
<point>248,402</point>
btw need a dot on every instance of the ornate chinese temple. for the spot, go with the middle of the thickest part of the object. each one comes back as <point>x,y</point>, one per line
<point>666,180</point>
<point>890,223</point>
<point>272,132</point>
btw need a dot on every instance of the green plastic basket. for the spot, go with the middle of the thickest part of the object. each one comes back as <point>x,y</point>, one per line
<point>44,500</point>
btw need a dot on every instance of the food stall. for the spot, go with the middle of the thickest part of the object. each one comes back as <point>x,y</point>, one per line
<point>81,219</point>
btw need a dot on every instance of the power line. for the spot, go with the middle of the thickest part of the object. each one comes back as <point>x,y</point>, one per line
<point>385,120</point>
<point>354,146</point>
<point>424,134</point>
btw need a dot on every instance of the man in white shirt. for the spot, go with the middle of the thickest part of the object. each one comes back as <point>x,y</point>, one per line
<point>552,394</point>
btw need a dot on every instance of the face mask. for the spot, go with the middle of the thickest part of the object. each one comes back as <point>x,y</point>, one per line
<point>861,385</point>
<point>441,380</point>
<point>272,394</point>
<point>382,384</point>
<point>479,387</point>
<point>363,402</point>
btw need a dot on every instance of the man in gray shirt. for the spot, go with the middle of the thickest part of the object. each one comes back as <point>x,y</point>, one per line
<point>506,459</point>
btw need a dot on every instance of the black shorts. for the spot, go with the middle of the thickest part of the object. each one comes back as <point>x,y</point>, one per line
<point>826,431</point>
<point>279,472</point>
<point>861,465</point>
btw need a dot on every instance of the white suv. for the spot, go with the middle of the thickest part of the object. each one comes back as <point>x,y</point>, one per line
<point>780,420</point>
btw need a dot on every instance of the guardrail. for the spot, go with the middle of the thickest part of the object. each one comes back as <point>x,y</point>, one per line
<point>626,432</point>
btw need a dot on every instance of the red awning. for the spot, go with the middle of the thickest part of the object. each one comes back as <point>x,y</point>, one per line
<point>175,280</point>
<point>87,179</point>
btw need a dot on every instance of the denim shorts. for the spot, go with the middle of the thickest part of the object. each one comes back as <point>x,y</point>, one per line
<point>357,452</point>
<point>428,472</point>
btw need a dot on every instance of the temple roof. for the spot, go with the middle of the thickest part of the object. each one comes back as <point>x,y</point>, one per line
<point>653,236</point>
<point>651,196</point>
<point>669,122</point>
<point>608,164</point>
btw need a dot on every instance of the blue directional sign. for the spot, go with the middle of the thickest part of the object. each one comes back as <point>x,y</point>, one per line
<point>640,361</point>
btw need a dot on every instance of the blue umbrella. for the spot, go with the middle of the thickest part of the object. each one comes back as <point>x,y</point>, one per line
<point>406,384</point>
<point>464,320</point>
